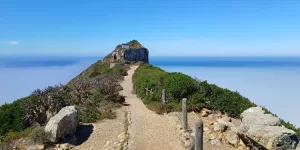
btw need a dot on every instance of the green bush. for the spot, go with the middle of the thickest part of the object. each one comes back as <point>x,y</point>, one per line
<point>89,115</point>
<point>199,93</point>
<point>225,100</point>
<point>92,114</point>
<point>11,118</point>
<point>39,136</point>
<point>178,86</point>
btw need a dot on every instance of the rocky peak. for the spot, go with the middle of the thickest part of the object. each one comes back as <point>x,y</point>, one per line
<point>131,51</point>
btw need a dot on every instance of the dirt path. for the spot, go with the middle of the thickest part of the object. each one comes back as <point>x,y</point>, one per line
<point>105,134</point>
<point>147,130</point>
<point>135,128</point>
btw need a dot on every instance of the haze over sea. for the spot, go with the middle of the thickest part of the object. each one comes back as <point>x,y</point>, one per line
<point>273,82</point>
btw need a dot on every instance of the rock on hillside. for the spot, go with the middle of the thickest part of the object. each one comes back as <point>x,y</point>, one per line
<point>129,52</point>
<point>265,131</point>
<point>62,124</point>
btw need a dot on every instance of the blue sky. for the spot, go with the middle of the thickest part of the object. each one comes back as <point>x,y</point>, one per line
<point>168,27</point>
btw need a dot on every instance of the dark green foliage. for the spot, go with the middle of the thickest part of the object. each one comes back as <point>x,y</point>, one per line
<point>225,100</point>
<point>39,136</point>
<point>199,94</point>
<point>89,115</point>
<point>179,85</point>
<point>11,118</point>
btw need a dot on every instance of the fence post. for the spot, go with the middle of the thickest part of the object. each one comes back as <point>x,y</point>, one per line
<point>146,89</point>
<point>199,135</point>
<point>184,114</point>
<point>163,98</point>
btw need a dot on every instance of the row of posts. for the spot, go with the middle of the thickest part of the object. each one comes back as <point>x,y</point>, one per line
<point>198,124</point>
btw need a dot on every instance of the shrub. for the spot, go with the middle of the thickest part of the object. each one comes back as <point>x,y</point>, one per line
<point>92,114</point>
<point>11,118</point>
<point>39,136</point>
<point>226,101</point>
<point>157,107</point>
<point>89,115</point>
<point>199,93</point>
<point>41,105</point>
<point>10,136</point>
<point>97,88</point>
<point>179,85</point>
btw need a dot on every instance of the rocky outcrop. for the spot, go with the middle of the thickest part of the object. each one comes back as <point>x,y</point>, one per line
<point>136,55</point>
<point>135,52</point>
<point>62,124</point>
<point>265,131</point>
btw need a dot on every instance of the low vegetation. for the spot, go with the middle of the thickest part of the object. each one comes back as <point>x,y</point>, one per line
<point>39,136</point>
<point>199,93</point>
<point>178,86</point>
<point>94,92</point>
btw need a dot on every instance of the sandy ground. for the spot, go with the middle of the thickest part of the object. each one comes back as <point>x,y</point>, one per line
<point>103,132</point>
<point>147,130</point>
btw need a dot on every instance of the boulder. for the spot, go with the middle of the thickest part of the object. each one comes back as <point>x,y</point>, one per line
<point>232,138</point>
<point>62,124</point>
<point>220,126</point>
<point>265,131</point>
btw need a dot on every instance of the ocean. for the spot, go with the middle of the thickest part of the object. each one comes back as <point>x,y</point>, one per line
<point>273,82</point>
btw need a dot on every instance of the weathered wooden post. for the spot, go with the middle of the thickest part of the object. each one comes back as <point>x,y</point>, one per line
<point>184,114</point>
<point>163,97</point>
<point>199,135</point>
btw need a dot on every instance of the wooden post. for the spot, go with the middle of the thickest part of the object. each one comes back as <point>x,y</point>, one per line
<point>199,135</point>
<point>163,97</point>
<point>184,114</point>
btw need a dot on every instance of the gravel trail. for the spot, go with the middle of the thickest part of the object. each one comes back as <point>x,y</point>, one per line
<point>147,130</point>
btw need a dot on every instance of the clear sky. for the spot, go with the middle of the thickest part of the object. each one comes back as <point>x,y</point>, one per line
<point>165,27</point>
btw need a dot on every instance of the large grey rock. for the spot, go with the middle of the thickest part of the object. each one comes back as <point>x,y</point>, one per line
<point>62,124</point>
<point>266,131</point>
<point>130,55</point>
<point>136,54</point>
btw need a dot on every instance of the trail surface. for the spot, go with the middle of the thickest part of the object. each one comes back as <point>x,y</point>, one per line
<point>147,130</point>
<point>135,128</point>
